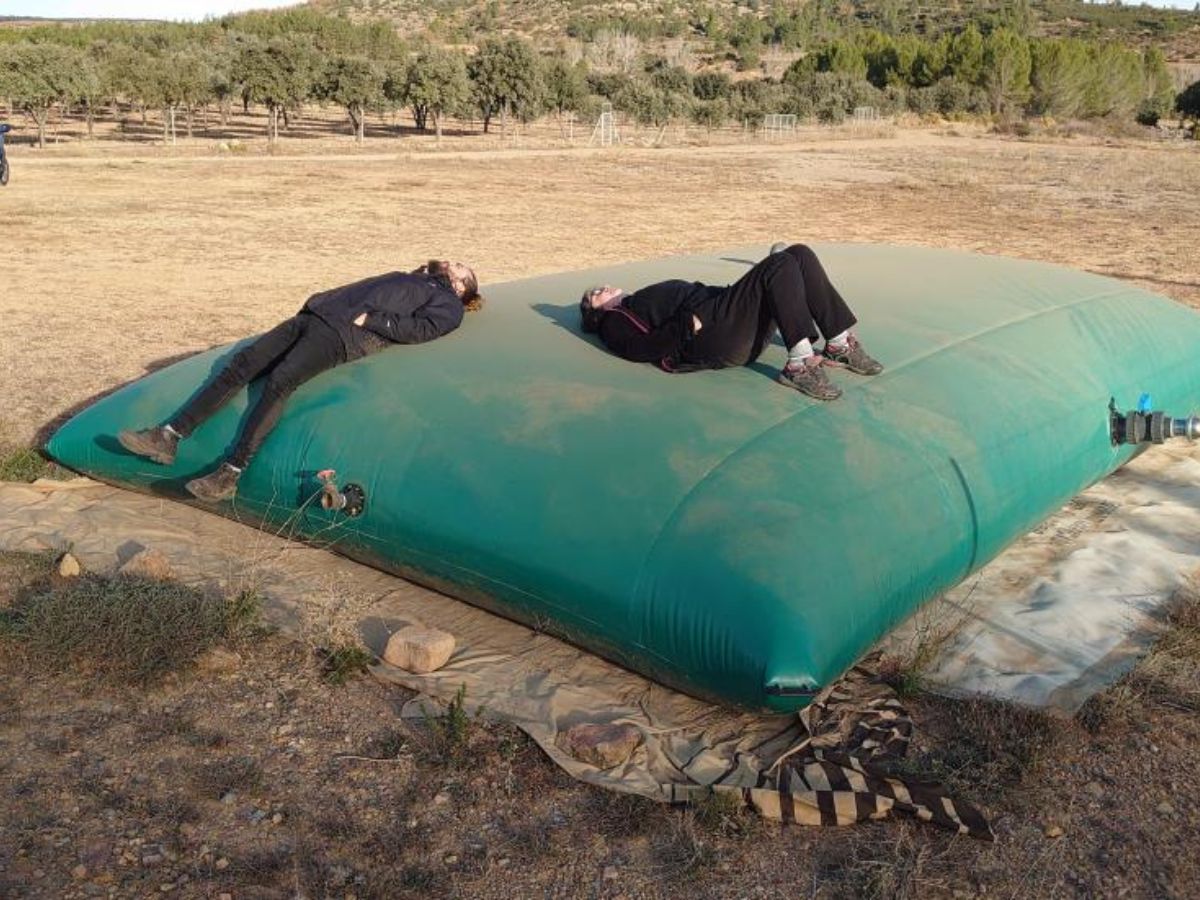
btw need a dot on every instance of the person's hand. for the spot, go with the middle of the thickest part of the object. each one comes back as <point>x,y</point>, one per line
<point>361,320</point>
<point>696,323</point>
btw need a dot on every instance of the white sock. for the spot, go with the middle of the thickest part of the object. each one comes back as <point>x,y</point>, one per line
<point>798,354</point>
<point>169,430</point>
<point>840,340</point>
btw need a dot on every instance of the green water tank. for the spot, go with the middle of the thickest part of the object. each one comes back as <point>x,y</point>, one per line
<point>712,530</point>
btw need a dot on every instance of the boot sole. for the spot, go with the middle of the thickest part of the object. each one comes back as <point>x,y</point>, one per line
<point>849,368</point>
<point>133,444</point>
<point>829,398</point>
<point>205,497</point>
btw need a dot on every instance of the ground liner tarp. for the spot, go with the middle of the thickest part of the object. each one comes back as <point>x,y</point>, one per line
<point>713,530</point>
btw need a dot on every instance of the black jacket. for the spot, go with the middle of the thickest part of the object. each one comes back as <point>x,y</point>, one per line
<point>655,324</point>
<point>401,307</point>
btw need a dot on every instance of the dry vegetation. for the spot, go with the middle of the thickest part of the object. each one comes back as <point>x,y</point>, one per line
<point>259,777</point>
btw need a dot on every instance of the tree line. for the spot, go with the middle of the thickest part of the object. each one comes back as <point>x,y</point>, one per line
<point>282,60</point>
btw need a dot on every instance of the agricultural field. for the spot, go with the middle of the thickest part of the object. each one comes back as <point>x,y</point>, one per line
<point>256,776</point>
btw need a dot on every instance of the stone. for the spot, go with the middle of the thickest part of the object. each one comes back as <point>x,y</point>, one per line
<point>148,563</point>
<point>441,798</point>
<point>418,649</point>
<point>152,859</point>
<point>611,873</point>
<point>69,567</point>
<point>222,864</point>
<point>79,872</point>
<point>1054,831</point>
<point>1165,809</point>
<point>1094,789</point>
<point>450,859</point>
<point>602,746</point>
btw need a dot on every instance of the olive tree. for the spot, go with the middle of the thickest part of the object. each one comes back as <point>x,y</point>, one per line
<point>436,85</point>
<point>37,76</point>
<point>277,74</point>
<point>355,83</point>
<point>504,78</point>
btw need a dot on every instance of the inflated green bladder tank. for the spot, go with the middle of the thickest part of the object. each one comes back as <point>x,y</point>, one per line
<point>712,530</point>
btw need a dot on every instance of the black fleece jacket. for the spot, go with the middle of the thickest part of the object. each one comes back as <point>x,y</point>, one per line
<point>401,307</point>
<point>655,324</point>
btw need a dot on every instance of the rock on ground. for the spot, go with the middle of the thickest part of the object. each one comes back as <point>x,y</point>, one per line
<point>602,746</point>
<point>68,566</point>
<point>418,649</point>
<point>148,563</point>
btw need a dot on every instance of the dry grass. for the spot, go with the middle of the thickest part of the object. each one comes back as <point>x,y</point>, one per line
<point>124,628</point>
<point>980,748</point>
<point>184,252</point>
<point>1167,677</point>
<point>183,249</point>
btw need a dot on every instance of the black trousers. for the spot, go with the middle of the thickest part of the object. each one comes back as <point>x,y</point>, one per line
<point>288,355</point>
<point>788,290</point>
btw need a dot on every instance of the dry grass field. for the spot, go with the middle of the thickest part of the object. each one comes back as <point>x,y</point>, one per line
<point>126,254</point>
<point>118,256</point>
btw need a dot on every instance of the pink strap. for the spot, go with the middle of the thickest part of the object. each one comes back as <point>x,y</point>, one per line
<point>638,323</point>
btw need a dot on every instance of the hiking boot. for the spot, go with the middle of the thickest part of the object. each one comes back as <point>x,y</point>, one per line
<point>852,356</point>
<point>809,378</point>
<point>155,444</point>
<point>215,486</point>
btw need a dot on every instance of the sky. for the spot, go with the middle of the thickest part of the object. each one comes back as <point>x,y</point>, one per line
<point>195,10</point>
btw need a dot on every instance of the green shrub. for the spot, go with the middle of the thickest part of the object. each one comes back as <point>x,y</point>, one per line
<point>129,629</point>
<point>1150,110</point>
<point>345,662</point>
<point>23,465</point>
<point>829,96</point>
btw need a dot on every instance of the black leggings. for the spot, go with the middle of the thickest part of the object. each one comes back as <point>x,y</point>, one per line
<point>788,290</point>
<point>288,355</point>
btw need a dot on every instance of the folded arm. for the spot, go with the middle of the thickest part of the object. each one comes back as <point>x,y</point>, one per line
<point>440,315</point>
<point>629,338</point>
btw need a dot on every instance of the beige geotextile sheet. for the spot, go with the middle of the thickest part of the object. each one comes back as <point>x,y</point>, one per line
<point>1060,614</point>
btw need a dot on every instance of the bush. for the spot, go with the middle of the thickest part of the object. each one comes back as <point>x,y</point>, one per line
<point>23,465</point>
<point>1150,110</point>
<point>829,96</point>
<point>952,97</point>
<point>712,86</point>
<point>128,629</point>
<point>923,101</point>
<point>1187,104</point>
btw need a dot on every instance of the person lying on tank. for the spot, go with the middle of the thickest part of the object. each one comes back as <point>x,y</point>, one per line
<point>334,327</point>
<point>684,325</point>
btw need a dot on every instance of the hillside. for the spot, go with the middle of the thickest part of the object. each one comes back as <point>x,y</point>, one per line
<point>720,22</point>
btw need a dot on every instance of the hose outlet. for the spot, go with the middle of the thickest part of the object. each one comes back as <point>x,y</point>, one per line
<point>1148,426</point>
<point>350,499</point>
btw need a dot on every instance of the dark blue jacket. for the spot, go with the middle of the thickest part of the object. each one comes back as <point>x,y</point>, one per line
<point>401,307</point>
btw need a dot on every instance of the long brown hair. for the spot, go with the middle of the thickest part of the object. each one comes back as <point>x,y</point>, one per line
<point>472,300</point>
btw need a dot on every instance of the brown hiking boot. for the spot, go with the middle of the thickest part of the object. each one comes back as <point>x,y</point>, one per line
<point>852,355</point>
<point>155,444</point>
<point>218,485</point>
<point>810,379</point>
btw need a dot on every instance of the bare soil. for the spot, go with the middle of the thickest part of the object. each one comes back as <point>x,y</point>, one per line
<point>119,257</point>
